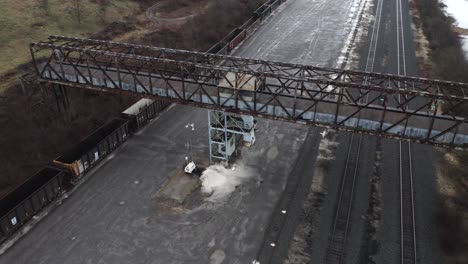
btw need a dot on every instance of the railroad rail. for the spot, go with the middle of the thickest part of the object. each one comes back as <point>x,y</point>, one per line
<point>408,249</point>
<point>431,112</point>
<point>408,242</point>
<point>337,242</point>
<point>336,249</point>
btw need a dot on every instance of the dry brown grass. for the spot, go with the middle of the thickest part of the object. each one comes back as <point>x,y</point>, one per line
<point>421,43</point>
<point>436,60</point>
<point>461,31</point>
<point>24,22</point>
<point>452,217</point>
<point>181,8</point>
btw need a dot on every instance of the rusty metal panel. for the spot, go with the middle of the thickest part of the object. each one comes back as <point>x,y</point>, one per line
<point>139,118</point>
<point>238,38</point>
<point>21,213</point>
<point>275,4</point>
<point>28,199</point>
<point>103,147</point>
<point>5,225</point>
<point>92,149</point>
<point>4,228</point>
<point>29,211</point>
<point>113,142</point>
<point>219,48</point>
<point>41,198</point>
<point>50,191</point>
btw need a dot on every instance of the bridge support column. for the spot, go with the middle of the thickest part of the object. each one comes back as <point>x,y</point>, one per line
<point>62,101</point>
<point>226,131</point>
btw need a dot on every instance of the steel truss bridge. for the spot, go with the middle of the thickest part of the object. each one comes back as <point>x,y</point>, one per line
<point>416,109</point>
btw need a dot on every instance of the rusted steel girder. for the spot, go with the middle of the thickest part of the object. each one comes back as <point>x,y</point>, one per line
<point>421,110</point>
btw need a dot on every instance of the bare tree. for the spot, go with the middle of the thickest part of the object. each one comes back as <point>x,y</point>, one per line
<point>103,9</point>
<point>77,9</point>
<point>44,5</point>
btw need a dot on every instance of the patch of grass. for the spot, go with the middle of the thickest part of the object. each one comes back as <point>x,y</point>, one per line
<point>443,58</point>
<point>24,22</point>
<point>452,216</point>
<point>446,53</point>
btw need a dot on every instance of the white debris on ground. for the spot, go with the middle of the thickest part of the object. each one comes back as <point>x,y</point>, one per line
<point>111,156</point>
<point>326,149</point>
<point>358,19</point>
<point>327,153</point>
<point>219,182</point>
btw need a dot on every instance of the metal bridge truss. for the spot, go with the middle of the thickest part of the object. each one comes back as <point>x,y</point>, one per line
<point>416,109</point>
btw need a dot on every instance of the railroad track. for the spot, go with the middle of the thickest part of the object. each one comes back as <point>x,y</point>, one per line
<point>407,223</point>
<point>408,249</point>
<point>336,252</point>
<point>336,249</point>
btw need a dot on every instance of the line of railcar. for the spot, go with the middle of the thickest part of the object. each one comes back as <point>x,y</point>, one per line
<point>20,205</point>
<point>33,195</point>
<point>235,37</point>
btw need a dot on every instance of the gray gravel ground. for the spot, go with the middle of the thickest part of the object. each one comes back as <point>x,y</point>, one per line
<point>360,204</point>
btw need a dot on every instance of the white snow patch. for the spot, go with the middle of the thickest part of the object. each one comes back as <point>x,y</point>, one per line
<point>111,156</point>
<point>358,11</point>
<point>326,149</point>
<point>459,10</point>
<point>465,45</point>
<point>219,182</point>
<point>212,243</point>
<point>217,257</point>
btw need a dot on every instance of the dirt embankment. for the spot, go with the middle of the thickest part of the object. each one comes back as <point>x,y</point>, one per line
<point>35,129</point>
<point>178,9</point>
<point>440,55</point>
<point>453,214</point>
<point>461,31</point>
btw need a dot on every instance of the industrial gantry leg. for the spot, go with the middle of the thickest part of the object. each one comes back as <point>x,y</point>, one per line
<point>225,131</point>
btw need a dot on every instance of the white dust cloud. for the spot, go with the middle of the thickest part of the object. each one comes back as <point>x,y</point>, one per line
<point>219,182</point>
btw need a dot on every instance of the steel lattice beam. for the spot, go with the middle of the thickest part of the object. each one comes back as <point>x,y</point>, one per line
<point>395,106</point>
